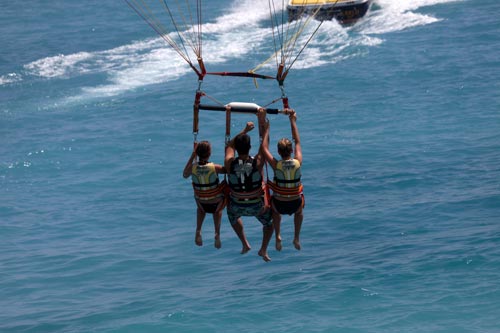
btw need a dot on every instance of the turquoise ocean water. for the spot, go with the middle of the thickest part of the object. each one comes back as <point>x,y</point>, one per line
<point>400,124</point>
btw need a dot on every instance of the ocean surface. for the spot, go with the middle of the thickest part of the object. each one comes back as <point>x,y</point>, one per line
<point>399,117</point>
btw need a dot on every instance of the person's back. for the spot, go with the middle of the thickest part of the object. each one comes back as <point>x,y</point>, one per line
<point>246,194</point>
<point>287,173</point>
<point>287,195</point>
<point>245,180</point>
<point>208,192</point>
<point>204,176</point>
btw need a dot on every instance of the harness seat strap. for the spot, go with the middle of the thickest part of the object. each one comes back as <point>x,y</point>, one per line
<point>285,191</point>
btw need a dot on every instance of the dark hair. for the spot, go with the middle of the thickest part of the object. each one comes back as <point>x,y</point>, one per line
<point>242,144</point>
<point>204,150</point>
<point>285,148</point>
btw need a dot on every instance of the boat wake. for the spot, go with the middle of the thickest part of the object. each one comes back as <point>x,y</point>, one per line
<point>398,15</point>
<point>239,36</point>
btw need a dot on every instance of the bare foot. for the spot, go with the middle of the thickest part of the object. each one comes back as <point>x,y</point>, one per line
<point>278,243</point>
<point>296,243</point>
<point>217,243</point>
<point>245,249</point>
<point>264,255</point>
<point>197,239</point>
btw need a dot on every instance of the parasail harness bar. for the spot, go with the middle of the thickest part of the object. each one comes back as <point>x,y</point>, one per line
<point>238,107</point>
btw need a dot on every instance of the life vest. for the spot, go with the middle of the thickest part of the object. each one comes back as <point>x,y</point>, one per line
<point>245,180</point>
<point>287,179</point>
<point>206,184</point>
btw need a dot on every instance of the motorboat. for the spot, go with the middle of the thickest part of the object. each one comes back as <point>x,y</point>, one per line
<point>346,12</point>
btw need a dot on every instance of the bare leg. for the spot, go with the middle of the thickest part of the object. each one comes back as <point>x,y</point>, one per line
<point>200,216</point>
<point>277,225</point>
<point>297,221</point>
<point>217,222</point>
<point>277,229</point>
<point>238,229</point>
<point>267,233</point>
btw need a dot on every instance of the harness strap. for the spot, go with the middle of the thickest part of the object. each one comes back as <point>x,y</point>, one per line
<point>204,187</point>
<point>207,194</point>
<point>220,192</point>
<point>255,194</point>
<point>286,181</point>
<point>196,111</point>
<point>285,191</point>
<point>228,124</point>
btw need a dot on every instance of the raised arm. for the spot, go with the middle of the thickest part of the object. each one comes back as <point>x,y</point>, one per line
<point>188,169</point>
<point>264,148</point>
<point>295,136</point>
<point>220,169</point>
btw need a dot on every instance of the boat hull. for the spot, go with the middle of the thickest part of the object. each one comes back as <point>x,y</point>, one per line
<point>345,14</point>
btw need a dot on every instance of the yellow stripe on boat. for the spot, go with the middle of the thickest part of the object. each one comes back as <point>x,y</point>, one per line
<point>317,2</point>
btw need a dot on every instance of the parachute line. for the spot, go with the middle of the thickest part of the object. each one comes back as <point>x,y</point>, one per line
<point>287,37</point>
<point>190,38</point>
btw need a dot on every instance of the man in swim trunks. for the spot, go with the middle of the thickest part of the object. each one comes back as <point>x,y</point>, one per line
<point>246,194</point>
<point>287,195</point>
<point>209,195</point>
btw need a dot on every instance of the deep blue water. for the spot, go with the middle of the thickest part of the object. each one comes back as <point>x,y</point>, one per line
<point>400,124</point>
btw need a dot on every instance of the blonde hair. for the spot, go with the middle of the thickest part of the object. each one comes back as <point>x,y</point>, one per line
<point>285,147</point>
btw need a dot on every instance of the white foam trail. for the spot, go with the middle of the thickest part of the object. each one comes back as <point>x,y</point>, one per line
<point>243,14</point>
<point>59,65</point>
<point>127,66</point>
<point>332,44</point>
<point>397,15</point>
<point>134,69</point>
<point>407,5</point>
<point>10,78</point>
<point>235,35</point>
